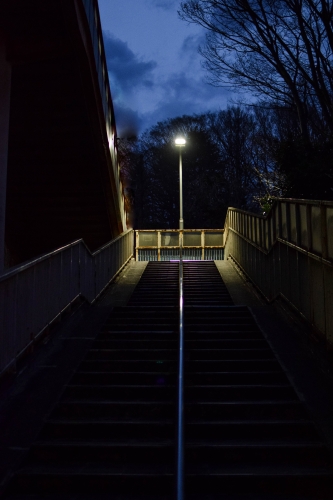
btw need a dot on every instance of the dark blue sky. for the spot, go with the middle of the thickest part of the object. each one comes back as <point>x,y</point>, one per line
<point>154,66</point>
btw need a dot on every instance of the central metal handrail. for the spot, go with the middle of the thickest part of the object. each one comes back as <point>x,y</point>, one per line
<point>180,399</point>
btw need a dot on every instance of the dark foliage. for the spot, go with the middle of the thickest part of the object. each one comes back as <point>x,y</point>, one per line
<point>307,168</point>
<point>225,163</point>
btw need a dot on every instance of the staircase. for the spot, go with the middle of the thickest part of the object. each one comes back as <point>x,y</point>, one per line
<point>112,434</point>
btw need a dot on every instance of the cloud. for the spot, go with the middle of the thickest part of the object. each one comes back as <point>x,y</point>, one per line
<point>129,75</point>
<point>164,4</point>
<point>185,95</point>
<point>127,69</point>
<point>179,94</point>
<point>192,43</point>
<point>129,122</point>
<point>185,88</point>
<point>143,94</point>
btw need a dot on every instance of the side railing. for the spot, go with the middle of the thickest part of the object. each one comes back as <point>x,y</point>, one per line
<point>165,244</point>
<point>288,253</point>
<point>34,294</point>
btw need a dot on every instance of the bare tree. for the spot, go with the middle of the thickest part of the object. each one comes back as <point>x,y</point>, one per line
<point>282,50</point>
<point>233,131</point>
<point>228,161</point>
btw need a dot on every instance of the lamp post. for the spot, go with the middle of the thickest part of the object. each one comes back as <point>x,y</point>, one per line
<point>180,142</point>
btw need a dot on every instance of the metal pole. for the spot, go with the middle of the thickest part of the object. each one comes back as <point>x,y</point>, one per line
<point>181,220</point>
<point>180,400</point>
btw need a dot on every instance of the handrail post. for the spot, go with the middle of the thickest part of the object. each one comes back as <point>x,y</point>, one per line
<point>180,394</point>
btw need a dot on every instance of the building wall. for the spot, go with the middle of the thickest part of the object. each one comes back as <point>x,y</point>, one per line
<point>62,179</point>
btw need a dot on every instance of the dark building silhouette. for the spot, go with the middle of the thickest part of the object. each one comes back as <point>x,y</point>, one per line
<point>58,163</point>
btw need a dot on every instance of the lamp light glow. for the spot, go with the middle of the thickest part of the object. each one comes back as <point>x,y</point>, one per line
<point>180,141</point>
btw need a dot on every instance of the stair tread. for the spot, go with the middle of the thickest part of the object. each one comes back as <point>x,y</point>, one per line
<point>240,386</point>
<point>170,332</point>
<point>122,386</point>
<point>239,403</point>
<point>262,470</point>
<point>109,443</point>
<point>101,373</point>
<point>106,443</point>
<point>194,386</point>
<point>278,444</point>
<point>211,470</point>
<point>98,470</point>
<point>109,421</point>
<point>168,372</point>
<point>115,402</point>
<point>201,422</point>
<point>268,349</point>
<point>135,350</point>
<point>250,422</point>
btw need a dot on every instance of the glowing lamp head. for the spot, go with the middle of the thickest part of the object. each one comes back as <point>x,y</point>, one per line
<point>180,141</point>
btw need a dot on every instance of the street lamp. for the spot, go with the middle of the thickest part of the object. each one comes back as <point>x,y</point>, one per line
<point>180,142</point>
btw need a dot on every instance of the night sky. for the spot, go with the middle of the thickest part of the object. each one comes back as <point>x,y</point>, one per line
<point>154,67</point>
